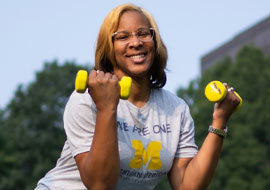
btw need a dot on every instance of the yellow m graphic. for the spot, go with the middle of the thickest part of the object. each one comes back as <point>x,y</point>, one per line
<point>142,156</point>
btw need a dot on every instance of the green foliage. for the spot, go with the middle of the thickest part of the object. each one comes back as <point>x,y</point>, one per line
<point>31,126</point>
<point>163,185</point>
<point>245,159</point>
<point>32,134</point>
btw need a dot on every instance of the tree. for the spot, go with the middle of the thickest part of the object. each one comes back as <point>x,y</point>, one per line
<point>31,127</point>
<point>244,162</point>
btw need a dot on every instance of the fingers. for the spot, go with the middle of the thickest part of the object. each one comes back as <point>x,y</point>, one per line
<point>226,85</point>
<point>230,89</point>
<point>231,95</point>
<point>104,89</point>
<point>96,73</point>
<point>108,75</point>
<point>99,77</point>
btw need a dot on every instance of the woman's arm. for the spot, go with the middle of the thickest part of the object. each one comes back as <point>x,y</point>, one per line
<point>196,173</point>
<point>100,167</point>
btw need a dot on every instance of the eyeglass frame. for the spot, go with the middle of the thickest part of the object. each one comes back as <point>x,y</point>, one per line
<point>152,32</point>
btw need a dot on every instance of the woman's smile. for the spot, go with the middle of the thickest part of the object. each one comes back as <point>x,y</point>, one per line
<point>137,58</point>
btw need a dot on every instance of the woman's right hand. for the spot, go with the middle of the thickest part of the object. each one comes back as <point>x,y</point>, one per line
<point>104,90</point>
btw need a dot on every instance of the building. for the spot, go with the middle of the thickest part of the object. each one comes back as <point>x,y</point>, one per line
<point>257,35</point>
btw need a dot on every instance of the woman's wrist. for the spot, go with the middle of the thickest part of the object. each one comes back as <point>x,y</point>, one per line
<point>220,132</point>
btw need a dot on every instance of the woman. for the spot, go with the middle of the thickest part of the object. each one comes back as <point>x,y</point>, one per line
<point>133,144</point>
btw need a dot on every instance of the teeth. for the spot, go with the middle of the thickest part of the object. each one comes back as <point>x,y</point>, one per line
<point>137,56</point>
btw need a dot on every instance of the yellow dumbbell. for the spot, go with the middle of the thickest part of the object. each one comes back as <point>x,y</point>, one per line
<point>215,91</point>
<point>81,84</point>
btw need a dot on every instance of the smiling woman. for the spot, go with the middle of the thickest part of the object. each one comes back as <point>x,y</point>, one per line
<point>105,54</point>
<point>135,143</point>
<point>134,57</point>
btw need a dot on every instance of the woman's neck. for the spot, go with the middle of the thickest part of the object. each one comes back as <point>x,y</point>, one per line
<point>140,92</point>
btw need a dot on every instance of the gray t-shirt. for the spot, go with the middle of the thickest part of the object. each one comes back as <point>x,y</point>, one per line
<point>149,138</point>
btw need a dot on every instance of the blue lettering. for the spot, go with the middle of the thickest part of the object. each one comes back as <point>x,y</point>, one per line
<point>125,126</point>
<point>119,125</point>
<point>145,131</point>
<point>156,129</point>
<point>135,128</point>
<point>141,131</point>
<point>162,129</point>
<point>168,128</point>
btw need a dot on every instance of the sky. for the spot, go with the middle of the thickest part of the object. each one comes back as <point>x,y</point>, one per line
<point>33,32</point>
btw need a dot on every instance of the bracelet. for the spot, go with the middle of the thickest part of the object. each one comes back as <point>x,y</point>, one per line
<point>219,132</point>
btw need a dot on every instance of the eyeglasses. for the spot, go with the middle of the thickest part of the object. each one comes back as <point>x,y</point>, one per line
<point>142,34</point>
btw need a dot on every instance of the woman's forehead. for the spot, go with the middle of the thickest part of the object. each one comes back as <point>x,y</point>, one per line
<point>132,19</point>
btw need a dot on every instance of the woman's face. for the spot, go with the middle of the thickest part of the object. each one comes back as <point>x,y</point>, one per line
<point>133,57</point>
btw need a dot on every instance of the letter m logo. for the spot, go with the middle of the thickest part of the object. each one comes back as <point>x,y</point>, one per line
<point>142,156</point>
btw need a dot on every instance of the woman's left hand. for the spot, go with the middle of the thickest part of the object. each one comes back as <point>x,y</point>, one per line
<point>224,109</point>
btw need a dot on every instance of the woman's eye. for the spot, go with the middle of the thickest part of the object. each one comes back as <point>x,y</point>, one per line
<point>143,34</point>
<point>122,37</point>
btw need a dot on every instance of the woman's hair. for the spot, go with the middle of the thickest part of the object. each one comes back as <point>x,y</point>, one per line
<point>105,57</point>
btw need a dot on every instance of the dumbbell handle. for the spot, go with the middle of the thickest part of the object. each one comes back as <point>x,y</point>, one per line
<point>82,78</point>
<point>215,91</point>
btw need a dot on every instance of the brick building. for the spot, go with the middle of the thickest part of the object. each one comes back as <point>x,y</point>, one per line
<point>257,35</point>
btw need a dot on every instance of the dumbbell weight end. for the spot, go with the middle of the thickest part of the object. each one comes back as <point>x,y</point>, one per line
<point>215,91</point>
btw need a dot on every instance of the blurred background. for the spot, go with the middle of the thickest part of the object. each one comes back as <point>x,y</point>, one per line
<point>44,43</point>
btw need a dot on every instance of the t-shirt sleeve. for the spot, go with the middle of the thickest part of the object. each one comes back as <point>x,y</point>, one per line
<point>186,146</point>
<point>79,122</point>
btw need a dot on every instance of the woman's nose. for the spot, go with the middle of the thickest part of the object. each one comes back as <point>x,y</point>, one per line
<point>135,41</point>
